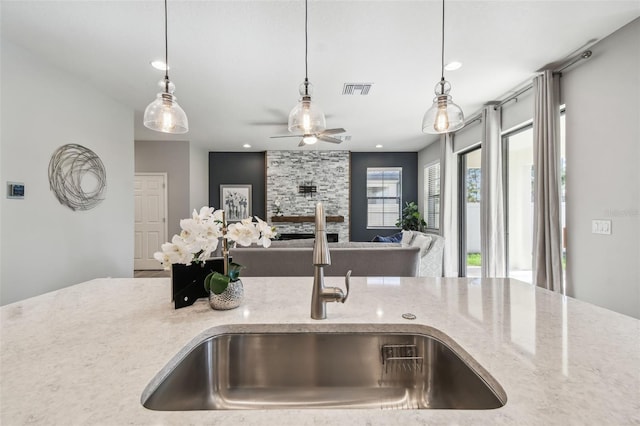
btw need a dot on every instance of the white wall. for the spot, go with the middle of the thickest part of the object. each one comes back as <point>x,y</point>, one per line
<point>45,245</point>
<point>602,98</point>
<point>170,157</point>
<point>187,168</point>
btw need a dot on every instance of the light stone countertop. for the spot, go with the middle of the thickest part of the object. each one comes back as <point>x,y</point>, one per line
<point>84,354</point>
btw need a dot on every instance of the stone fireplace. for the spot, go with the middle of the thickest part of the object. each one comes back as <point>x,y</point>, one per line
<point>298,180</point>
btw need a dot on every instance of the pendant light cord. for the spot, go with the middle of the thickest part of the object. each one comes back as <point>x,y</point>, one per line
<point>306,42</point>
<point>166,50</point>
<point>442,47</point>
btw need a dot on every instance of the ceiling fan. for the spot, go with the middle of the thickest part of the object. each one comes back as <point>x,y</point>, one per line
<point>311,138</point>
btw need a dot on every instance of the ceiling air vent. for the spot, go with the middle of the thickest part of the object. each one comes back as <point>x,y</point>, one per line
<point>356,88</point>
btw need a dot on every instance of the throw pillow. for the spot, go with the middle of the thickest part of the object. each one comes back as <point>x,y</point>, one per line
<point>395,238</point>
<point>407,237</point>
<point>423,241</point>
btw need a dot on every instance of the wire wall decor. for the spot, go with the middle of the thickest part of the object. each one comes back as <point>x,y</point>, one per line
<point>77,177</point>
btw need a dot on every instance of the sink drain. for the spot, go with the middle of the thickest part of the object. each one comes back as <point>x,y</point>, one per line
<point>408,316</point>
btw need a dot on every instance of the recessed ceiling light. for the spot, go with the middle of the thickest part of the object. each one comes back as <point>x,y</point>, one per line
<point>378,146</point>
<point>452,66</point>
<point>246,145</point>
<point>159,65</point>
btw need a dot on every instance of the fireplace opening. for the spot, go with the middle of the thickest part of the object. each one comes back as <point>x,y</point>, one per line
<point>331,237</point>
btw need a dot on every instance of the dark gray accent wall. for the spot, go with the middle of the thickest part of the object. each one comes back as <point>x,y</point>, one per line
<point>359,163</point>
<point>238,168</point>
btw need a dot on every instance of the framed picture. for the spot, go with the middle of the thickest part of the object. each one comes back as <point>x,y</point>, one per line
<point>236,201</point>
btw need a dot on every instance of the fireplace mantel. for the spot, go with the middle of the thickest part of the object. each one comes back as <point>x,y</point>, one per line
<point>301,219</point>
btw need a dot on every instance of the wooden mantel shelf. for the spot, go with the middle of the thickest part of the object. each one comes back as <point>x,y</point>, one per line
<point>301,219</point>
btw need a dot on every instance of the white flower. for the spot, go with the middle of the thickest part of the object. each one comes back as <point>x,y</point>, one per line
<point>243,233</point>
<point>205,213</point>
<point>200,234</point>
<point>266,232</point>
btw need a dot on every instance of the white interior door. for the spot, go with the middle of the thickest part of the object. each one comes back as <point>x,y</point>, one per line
<point>150,192</point>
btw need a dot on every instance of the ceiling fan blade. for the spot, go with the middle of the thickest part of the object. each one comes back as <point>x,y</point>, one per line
<point>329,139</point>
<point>302,143</point>
<point>286,136</point>
<point>332,131</point>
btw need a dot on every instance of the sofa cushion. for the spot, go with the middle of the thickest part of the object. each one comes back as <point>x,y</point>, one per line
<point>380,261</point>
<point>304,242</point>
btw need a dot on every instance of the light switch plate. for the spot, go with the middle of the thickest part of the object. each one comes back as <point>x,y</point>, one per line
<point>601,227</point>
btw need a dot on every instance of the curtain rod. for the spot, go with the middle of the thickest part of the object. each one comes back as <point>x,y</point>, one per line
<point>514,96</point>
<point>584,55</point>
<point>469,121</point>
<point>473,119</point>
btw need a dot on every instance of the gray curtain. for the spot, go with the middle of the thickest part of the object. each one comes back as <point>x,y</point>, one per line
<point>448,205</point>
<point>547,237</point>
<point>492,228</point>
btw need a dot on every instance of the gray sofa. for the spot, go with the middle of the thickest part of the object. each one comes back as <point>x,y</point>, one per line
<point>418,255</point>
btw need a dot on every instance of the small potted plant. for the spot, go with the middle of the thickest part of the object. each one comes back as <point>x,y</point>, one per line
<point>200,237</point>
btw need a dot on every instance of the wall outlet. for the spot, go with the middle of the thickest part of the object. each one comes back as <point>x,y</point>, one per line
<point>601,227</point>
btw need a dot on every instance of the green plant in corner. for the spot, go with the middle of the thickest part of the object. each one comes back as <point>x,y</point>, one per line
<point>411,219</point>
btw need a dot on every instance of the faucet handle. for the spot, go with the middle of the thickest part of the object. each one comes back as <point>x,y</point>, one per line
<point>347,279</point>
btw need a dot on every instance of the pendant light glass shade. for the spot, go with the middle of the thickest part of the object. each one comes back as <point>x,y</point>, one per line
<point>444,116</point>
<point>306,117</point>
<point>164,114</point>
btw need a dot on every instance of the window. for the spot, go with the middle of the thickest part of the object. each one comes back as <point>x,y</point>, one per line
<point>432,196</point>
<point>384,193</point>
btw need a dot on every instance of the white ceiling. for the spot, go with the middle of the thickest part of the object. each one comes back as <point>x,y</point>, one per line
<point>237,64</point>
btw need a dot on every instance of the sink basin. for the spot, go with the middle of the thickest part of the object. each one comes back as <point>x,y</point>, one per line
<point>333,366</point>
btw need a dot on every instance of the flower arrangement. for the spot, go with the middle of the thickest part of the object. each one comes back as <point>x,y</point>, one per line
<point>200,237</point>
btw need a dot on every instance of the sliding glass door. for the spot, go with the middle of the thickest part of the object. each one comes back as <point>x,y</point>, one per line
<point>470,178</point>
<point>519,173</point>
<point>519,189</point>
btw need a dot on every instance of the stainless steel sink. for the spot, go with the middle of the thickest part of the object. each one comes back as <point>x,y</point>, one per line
<point>335,366</point>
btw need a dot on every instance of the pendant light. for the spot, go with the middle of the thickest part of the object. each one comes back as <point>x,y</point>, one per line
<point>306,117</point>
<point>164,114</point>
<point>444,116</point>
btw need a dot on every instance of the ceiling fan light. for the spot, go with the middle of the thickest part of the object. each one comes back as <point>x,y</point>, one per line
<point>309,139</point>
<point>165,115</point>
<point>306,117</point>
<point>444,116</point>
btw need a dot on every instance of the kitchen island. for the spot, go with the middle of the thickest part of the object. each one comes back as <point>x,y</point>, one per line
<point>84,354</point>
